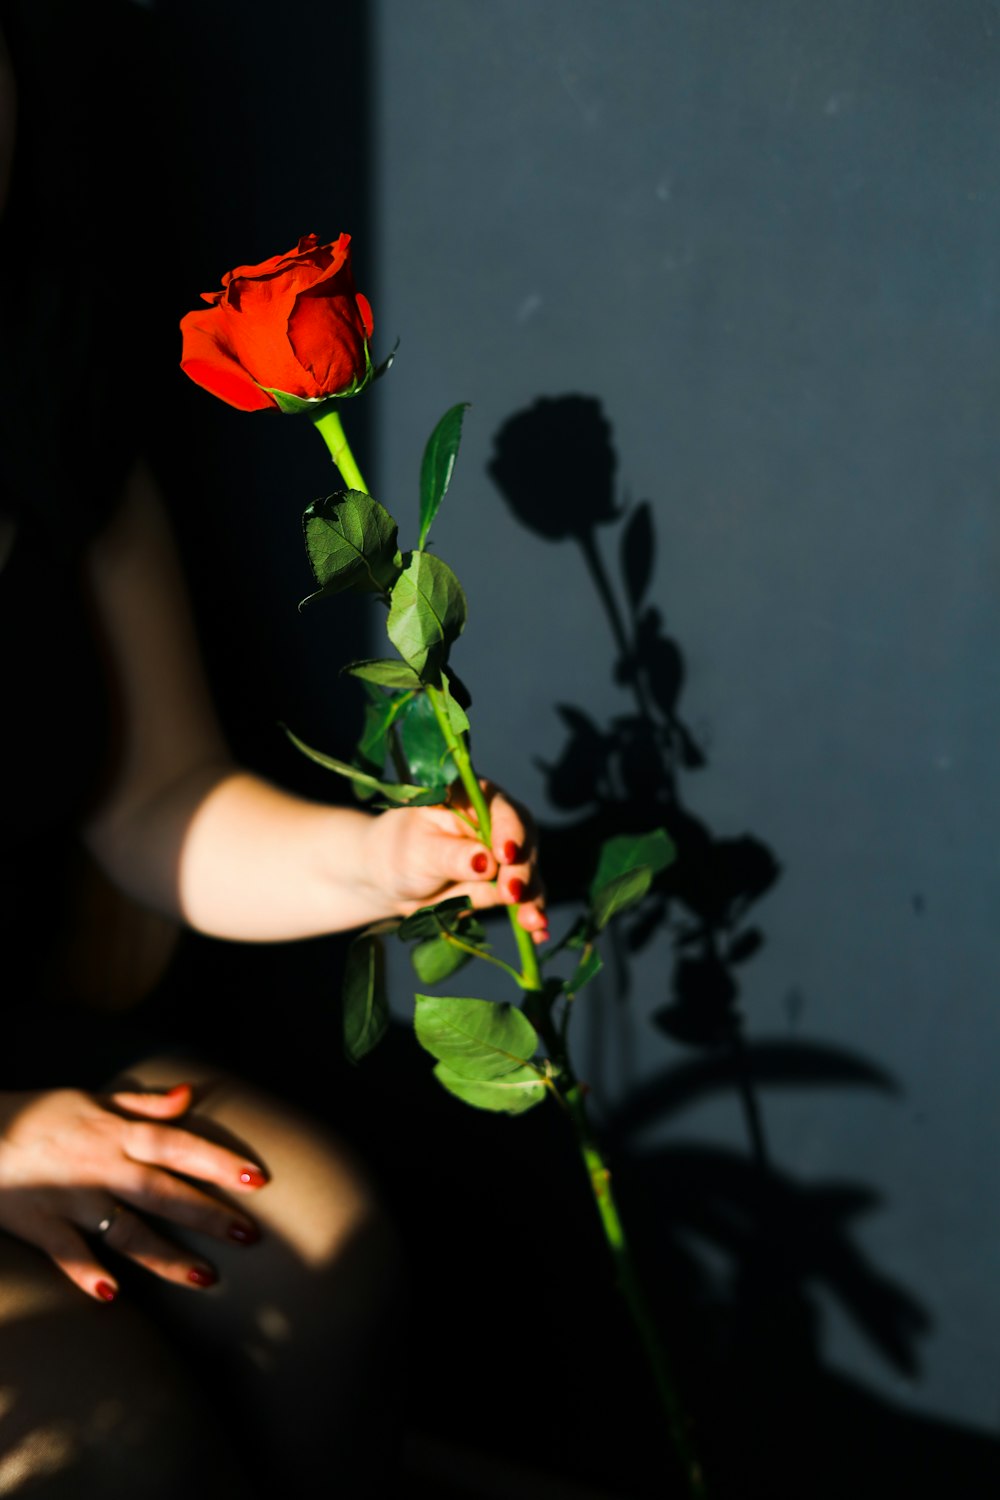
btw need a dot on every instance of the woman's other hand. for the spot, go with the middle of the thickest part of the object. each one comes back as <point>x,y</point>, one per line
<point>421,855</point>
<point>77,1171</point>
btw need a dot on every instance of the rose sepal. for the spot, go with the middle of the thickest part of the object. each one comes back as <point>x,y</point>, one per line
<point>387,363</point>
<point>315,406</point>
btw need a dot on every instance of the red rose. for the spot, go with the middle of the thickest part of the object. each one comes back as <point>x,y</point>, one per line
<point>293,324</point>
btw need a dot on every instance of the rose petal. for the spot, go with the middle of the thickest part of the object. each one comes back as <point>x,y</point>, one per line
<point>211,365</point>
<point>301,267</point>
<point>326,336</point>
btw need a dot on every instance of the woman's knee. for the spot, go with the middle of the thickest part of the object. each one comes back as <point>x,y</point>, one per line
<point>302,1327</point>
<point>92,1402</point>
<point>326,1243</point>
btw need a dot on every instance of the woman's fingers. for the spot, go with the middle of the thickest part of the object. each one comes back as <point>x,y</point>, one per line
<point>167,1106</point>
<point>170,1197</point>
<point>512,832</point>
<point>530,914</point>
<point>127,1233</point>
<point>513,835</point>
<point>486,884</point>
<point>131,1236</point>
<point>180,1151</point>
<point>458,859</point>
<point>505,875</point>
<point>535,921</point>
<point>66,1247</point>
<point>167,1197</point>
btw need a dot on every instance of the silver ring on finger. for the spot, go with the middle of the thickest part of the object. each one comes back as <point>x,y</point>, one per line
<point>109,1219</point>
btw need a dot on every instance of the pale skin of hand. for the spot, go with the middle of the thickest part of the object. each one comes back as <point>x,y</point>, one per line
<point>186,831</point>
<point>69,1159</point>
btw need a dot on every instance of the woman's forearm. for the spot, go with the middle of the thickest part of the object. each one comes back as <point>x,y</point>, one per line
<point>184,830</point>
<point>235,857</point>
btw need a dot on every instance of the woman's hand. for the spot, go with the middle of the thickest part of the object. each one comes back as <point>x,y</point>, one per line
<point>421,855</point>
<point>73,1165</point>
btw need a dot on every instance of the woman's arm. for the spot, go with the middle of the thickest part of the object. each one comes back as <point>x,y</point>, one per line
<point>188,832</point>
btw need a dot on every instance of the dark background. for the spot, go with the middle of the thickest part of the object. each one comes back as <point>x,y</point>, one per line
<point>720,282</point>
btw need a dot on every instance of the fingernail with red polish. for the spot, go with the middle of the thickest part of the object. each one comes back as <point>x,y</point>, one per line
<point>480,863</point>
<point>516,888</point>
<point>244,1234</point>
<point>511,852</point>
<point>202,1276</point>
<point>106,1291</point>
<point>252,1177</point>
<point>177,1090</point>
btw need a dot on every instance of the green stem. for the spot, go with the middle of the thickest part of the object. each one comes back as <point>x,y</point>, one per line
<point>629,1285</point>
<point>531,976</point>
<point>331,430</point>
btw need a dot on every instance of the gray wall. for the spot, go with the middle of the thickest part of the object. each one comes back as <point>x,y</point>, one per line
<point>764,238</point>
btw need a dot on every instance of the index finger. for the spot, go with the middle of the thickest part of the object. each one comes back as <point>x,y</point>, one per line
<point>513,834</point>
<point>191,1156</point>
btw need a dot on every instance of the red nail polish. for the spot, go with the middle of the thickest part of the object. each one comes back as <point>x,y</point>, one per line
<point>252,1177</point>
<point>244,1234</point>
<point>480,863</point>
<point>202,1276</point>
<point>511,852</point>
<point>106,1291</point>
<point>177,1090</point>
<point>516,887</point>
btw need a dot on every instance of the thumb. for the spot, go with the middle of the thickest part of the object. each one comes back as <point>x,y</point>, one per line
<point>156,1106</point>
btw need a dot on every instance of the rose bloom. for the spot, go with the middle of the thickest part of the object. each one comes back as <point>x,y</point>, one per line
<point>294,324</point>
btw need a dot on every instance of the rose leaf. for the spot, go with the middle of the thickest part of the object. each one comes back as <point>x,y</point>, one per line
<point>351,542</point>
<point>587,969</point>
<point>381,713</point>
<point>457,717</point>
<point>387,673</point>
<point>512,1094</point>
<point>437,466</point>
<point>424,746</point>
<point>399,794</point>
<point>476,1039</point>
<point>365,1006</point>
<point>618,894</point>
<point>428,611</point>
<point>431,921</point>
<point>627,851</point>
<point>435,959</point>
